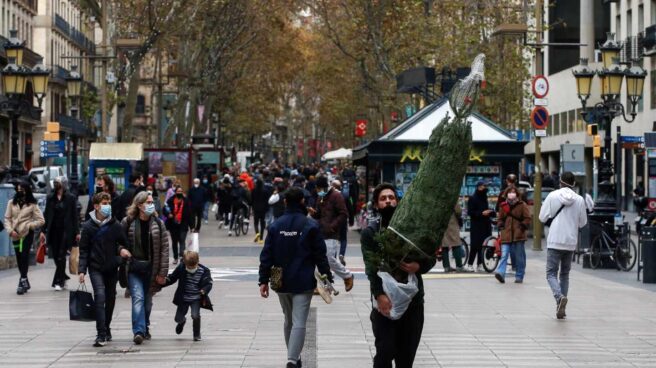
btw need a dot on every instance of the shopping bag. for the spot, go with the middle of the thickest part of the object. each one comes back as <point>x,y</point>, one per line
<point>41,252</point>
<point>81,306</point>
<point>215,207</point>
<point>74,261</point>
<point>400,294</point>
<point>192,242</point>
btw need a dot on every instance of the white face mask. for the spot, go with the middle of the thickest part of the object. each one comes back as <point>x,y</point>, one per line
<point>512,196</point>
<point>191,270</point>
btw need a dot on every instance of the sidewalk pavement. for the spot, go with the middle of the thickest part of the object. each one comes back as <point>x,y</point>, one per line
<point>470,321</point>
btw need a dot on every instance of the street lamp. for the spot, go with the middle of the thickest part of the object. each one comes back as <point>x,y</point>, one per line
<point>602,113</point>
<point>74,89</point>
<point>15,77</point>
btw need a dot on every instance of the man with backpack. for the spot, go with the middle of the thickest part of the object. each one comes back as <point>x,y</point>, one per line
<point>564,212</point>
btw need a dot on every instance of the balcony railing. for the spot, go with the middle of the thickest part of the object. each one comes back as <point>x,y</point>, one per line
<point>78,37</point>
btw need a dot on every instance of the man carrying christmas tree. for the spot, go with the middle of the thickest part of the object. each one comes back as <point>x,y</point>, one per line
<point>396,340</point>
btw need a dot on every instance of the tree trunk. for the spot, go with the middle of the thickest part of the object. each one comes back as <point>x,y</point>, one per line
<point>130,107</point>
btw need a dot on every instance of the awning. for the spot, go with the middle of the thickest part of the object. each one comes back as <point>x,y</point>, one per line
<point>340,154</point>
<point>116,151</point>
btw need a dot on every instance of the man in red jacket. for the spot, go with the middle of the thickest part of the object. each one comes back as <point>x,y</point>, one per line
<point>332,214</point>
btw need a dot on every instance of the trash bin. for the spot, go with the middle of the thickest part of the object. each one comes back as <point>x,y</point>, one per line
<point>648,254</point>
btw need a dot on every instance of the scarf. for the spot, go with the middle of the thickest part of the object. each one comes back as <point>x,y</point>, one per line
<point>177,209</point>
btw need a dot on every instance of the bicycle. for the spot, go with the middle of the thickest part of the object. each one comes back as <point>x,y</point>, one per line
<point>491,253</point>
<point>619,247</point>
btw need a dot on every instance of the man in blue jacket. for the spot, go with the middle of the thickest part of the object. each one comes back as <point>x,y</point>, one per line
<point>295,244</point>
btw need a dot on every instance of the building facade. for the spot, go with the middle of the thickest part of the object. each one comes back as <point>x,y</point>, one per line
<point>587,22</point>
<point>18,15</point>
<point>64,32</point>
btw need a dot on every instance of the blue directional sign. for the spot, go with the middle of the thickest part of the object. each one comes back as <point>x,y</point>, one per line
<point>631,139</point>
<point>52,149</point>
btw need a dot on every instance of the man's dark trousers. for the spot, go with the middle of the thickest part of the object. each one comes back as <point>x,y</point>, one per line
<point>397,340</point>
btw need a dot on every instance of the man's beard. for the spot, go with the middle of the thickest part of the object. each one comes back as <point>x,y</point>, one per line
<point>386,214</point>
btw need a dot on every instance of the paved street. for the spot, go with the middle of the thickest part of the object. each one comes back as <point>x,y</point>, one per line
<point>471,321</point>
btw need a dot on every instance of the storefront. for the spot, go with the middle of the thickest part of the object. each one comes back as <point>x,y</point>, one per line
<point>395,157</point>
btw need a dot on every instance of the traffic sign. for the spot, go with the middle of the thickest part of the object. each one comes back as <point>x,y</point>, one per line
<point>540,86</point>
<point>540,117</point>
<point>53,145</point>
<point>540,133</point>
<point>540,102</point>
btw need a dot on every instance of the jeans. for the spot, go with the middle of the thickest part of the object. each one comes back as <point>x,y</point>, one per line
<point>178,239</point>
<point>332,251</point>
<point>556,259</point>
<point>142,301</point>
<point>342,239</point>
<point>104,294</point>
<point>181,312</point>
<point>296,308</point>
<point>516,248</point>
<point>23,253</point>
<point>206,210</point>
<point>397,340</point>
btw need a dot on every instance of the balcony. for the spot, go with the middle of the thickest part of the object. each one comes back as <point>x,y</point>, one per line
<point>73,126</point>
<point>76,36</point>
<point>59,75</point>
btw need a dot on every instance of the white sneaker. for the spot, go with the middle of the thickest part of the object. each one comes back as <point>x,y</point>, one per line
<point>467,268</point>
<point>230,233</point>
<point>480,268</point>
<point>206,222</point>
<point>58,288</point>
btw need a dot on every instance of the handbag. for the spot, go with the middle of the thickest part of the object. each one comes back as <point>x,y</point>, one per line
<point>81,306</point>
<point>276,278</point>
<point>41,252</point>
<point>74,260</point>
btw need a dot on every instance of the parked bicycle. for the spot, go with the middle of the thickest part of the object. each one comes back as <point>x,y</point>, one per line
<point>614,243</point>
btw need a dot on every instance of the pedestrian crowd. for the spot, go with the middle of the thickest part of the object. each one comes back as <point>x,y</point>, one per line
<point>300,215</point>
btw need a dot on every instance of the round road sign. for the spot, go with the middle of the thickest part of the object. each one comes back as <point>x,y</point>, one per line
<point>540,117</point>
<point>540,86</point>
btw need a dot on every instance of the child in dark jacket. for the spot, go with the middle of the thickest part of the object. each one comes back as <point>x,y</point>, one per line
<point>195,283</point>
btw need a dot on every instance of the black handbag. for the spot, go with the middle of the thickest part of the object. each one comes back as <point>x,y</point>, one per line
<point>81,306</point>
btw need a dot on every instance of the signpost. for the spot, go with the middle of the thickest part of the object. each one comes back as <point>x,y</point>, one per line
<point>539,120</point>
<point>52,149</point>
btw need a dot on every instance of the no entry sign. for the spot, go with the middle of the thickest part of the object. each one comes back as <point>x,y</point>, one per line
<point>540,117</point>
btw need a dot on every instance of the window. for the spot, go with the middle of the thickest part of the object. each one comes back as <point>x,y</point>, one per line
<point>550,126</point>
<point>641,18</point>
<point>563,122</point>
<point>571,121</point>
<point>141,105</point>
<point>653,12</point>
<point>629,23</point>
<point>580,124</point>
<point>618,27</point>
<point>556,124</point>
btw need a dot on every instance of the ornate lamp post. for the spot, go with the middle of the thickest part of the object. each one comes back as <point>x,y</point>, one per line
<point>602,113</point>
<point>74,89</point>
<point>14,84</point>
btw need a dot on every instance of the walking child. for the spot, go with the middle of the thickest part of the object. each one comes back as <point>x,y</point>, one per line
<point>195,283</point>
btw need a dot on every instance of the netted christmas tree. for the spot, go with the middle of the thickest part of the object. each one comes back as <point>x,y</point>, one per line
<point>421,218</point>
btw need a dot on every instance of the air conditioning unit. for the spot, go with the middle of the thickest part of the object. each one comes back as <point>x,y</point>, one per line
<point>649,42</point>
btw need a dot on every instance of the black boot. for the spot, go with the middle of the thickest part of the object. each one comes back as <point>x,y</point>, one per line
<point>197,329</point>
<point>20,290</point>
<point>27,284</point>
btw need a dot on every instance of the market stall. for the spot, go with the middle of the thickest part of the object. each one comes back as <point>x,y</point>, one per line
<point>395,157</point>
<point>118,160</point>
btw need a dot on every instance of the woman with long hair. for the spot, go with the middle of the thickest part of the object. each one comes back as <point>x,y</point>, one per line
<point>22,217</point>
<point>104,183</point>
<point>148,245</point>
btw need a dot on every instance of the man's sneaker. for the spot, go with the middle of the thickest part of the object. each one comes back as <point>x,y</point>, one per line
<point>58,288</point>
<point>100,342</point>
<point>108,337</point>
<point>28,286</point>
<point>562,303</point>
<point>22,288</point>
<point>257,238</point>
<point>342,260</point>
<point>480,268</point>
<point>291,365</point>
<point>460,269</point>
<point>138,339</point>
<point>206,222</point>
<point>175,261</point>
<point>519,281</point>
<point>348,284</point>
<point>197,338</point>
<point>148,336</point>
<point>229,232</point>
<point>468,268</point>
<point>499,277</point>
<point>220,225</point>
<point>179,327</point>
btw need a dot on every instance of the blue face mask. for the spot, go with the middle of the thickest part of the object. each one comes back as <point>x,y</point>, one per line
<point>106,210</point>
<point>321,193</point>
<point>149,209</point>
